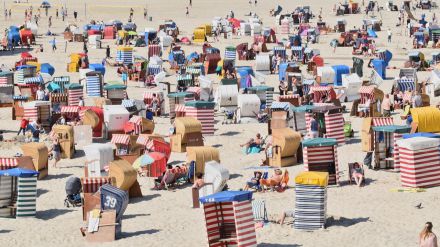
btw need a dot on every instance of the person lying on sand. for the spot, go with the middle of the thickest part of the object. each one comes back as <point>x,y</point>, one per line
<point>284,214</point>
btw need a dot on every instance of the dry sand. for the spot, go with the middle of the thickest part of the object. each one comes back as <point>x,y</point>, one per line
<point>369,216</point>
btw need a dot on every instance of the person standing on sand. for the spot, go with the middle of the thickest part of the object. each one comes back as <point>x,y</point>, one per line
<point>389,35</point>
<point>56,13</point>
<point>190,3</point>
<point>54,44</point>
<point>75,15</point>
<point>427,238</point>
<point>107,52</point>
<point>187,12</point>
<point>23,126</point>
<point>56,151</point>
<point>145,13</point>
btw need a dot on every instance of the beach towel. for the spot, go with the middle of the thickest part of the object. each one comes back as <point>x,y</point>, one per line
<point>252,150</point>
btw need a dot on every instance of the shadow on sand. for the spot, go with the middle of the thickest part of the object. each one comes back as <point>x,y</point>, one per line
<point>345,222</point>
<point>138,233</point>
<point>144,198</point>
<point>51,213</point>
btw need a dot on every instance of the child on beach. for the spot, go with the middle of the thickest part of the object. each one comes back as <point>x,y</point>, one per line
<point>23,126</point>
<point>427,238</point>
<point>56,151</point>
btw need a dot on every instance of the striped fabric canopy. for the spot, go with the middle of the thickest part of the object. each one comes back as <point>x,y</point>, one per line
<point>154,50</point>
<point>120,139</point>
<point>406,84</point>
<point>144,140</point>
<point>33,80</point>
<point>19,97</point>
<point>307,83</point>
<point>281,50</point>
<point>290,96</point>
<point>366,89</point>
<point>128,103</point>
<point>240,218</point>
<point>193,70</point>
<point>184,77</point>
<point>74,95</point>
<point>179,108</point>
<point>382,121</point>
<point>195,90</point>
<point>92,184</point>
<point>94,86</point>
<point>298,51</point>
<point>26,196</point>
<point>366,92</point>
<point>314,89</point>
<point>136,120</point>
<point>8,163</point>
<point>154,69</point>
<point>280,105</point>
<point>70,109</point>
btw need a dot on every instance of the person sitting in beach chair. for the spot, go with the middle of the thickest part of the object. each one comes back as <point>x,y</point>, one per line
<point>230,116</point>
<point>168,178</point>
<point>254,182</point>
<point>356,173</point>
<point>253,144</point>
<point>277,182</point>
<point>199,182</point>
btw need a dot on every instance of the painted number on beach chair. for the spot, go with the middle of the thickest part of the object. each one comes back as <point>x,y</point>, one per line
<point>110,202</point>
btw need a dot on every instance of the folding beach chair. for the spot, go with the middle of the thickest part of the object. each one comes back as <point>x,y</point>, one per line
<point>350,171</point>
<point>259,211</point>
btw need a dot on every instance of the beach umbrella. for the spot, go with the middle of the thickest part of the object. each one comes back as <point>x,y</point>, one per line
<point>45,5</point>
<point>144,160</point>
<point>235,22</point>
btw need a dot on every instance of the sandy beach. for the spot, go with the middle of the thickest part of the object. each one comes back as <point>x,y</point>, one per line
<point>372,215</point>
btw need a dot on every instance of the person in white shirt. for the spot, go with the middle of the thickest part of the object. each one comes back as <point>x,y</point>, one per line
<point>40,94</point>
